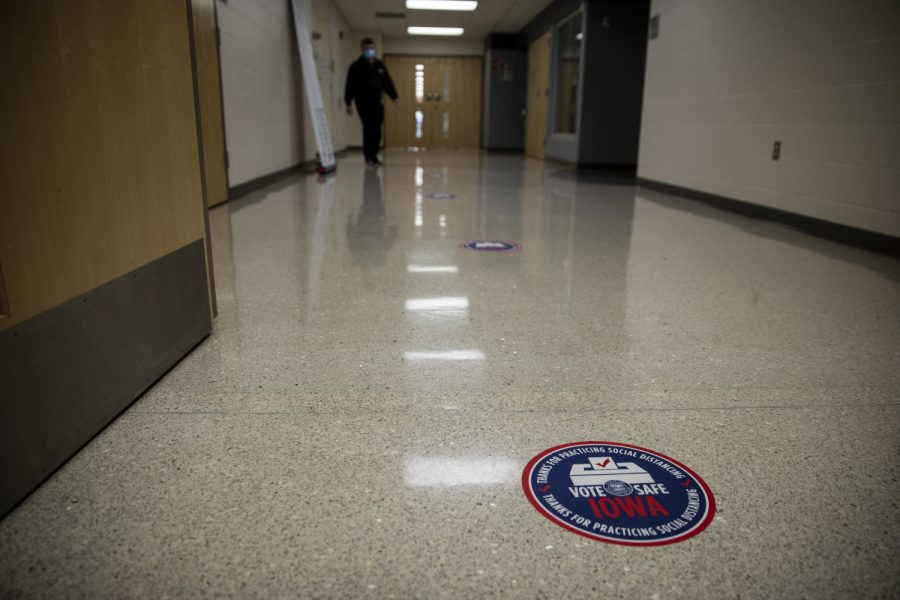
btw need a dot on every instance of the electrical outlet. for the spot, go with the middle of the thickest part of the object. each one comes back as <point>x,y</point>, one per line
<point>776,151</point>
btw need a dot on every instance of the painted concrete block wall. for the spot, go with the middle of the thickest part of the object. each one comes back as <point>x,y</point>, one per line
<point>267,121</point>
<point>725,79</point>
<point>261,88</point>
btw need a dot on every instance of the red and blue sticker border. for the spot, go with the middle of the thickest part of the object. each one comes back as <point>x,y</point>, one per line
<point>530,494</point>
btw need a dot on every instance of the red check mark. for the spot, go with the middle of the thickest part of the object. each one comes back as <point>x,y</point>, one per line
<point>544,489</point>
<point>605,462</point>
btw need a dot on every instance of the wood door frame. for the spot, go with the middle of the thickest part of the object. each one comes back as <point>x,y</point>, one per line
<point>204,189</point>
<point>221,93</point>
<point>530,119</point>
<point>388,58</point>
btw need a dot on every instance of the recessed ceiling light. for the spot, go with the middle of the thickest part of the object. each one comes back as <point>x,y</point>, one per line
<point>441,4</point>
<point>434,30</point>
<point>430,269</point>
<point>446,355</point>
<point>441,471</point>
<point>442,303</point>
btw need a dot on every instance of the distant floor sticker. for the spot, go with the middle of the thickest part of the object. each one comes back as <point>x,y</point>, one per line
<point>618,493</point>
<point>491,246</point>
<point>441,196</point>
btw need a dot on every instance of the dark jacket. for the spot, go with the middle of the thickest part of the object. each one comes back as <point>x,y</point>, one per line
<point>366,82</point>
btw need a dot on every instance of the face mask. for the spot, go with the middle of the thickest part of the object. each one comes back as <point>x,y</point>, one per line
<point>369,53</point>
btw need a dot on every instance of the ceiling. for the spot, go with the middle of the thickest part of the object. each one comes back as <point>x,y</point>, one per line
<point>491,16</point>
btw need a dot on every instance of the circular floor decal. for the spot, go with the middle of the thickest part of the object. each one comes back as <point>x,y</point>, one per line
<point>490,246</point>
<point>441,196</point>
<point>618,493</point>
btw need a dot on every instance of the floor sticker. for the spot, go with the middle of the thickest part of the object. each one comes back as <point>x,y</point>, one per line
<point>441,196</point>
<point>490,246</point>
<point>618,493</point>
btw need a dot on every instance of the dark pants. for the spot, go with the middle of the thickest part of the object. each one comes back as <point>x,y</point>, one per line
<point>372,117</point>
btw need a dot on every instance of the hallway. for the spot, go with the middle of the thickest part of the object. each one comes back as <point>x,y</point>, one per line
<point>358,422</point>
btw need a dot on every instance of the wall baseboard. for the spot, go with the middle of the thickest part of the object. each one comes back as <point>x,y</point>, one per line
<point>852,236</point>
<point>69,371</point>
<point>242,189</point>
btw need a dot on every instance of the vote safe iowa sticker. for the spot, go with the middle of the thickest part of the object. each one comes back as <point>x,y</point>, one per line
<point>618,493</point>
<point>490,246</point>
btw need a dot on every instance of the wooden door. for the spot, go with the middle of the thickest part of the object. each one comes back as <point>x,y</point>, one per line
<point>400,125</point>
<point>457,103</point>
<point>209,90</point>
<point>440,102</point>
<point>538,92</point>
<point>102,221</point>
<point>97,176</point>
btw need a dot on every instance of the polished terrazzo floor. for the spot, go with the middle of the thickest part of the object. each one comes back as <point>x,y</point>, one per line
<point>357,424</point>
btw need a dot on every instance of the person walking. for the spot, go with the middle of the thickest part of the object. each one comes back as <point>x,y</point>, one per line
<point>367,80</point>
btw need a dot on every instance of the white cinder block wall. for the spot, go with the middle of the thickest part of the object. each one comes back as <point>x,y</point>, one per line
<point>267,124</point>
<point>260,88</point>
<point>727,78</point>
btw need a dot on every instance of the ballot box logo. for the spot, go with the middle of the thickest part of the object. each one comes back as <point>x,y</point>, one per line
<point>618,493</point>
<point>490,246</point>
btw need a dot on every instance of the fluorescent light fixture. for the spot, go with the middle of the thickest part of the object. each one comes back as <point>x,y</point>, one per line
<point>420,67</point>
<point>434,30</point>
<point>426,269</point>
<point>445,303</point>
<point>441,4</point>
<point>448,355</point>
<point>426,471</point>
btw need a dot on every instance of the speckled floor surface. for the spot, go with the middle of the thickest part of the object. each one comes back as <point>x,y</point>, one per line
<point>357,424</point>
